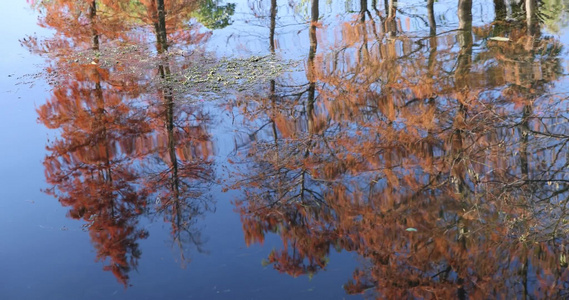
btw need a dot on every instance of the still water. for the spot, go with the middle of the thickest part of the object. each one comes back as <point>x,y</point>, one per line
<point>183,149</point>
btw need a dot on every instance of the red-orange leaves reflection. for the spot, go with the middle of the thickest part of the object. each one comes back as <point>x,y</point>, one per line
<point>125,147</point>
<point>429,160</point>
<point>89,168</point>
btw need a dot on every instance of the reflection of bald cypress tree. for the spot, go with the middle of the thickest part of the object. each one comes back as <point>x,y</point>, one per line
<point>314,15</point>
<point>409,144</point>
<point>96,166</point>
<point>390,20</point>
<point>180,187</point>
<point>464,61</point>
<point>431,101</point>
<point>88,167</point>
<point>273,83</point>
<point>527,111</point>
<point>284,174</point>
<point>431,17</point>
<point>532,21</point>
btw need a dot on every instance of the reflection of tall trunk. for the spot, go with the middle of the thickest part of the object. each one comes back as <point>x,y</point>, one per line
<point>311,67</point>
<point>464,14</point>
<point>500,10</point>
<point>102,151</point>
<point>500,14</point>
<point>169,111</point>
<point>462,86</point>
<point>458,163</point>
<point>273,82</point>
<point>94,33</point>
<point>273,25</point>
<point>431,15</point>
<point>459,160</point>
<point>175,180</point>
<point>161,28</point>
<point>433,44</point>
<point>95,46</point>
<point>174,167</point>
<point>311,76</point>
<point>390,21</point>
<point>524,138</point>
<point>465,42</point>
<point>391,59</point>
<point>524,271</point>
<point>314,11</point>
<point>533,31</point>
<point>465,27</point>
<point>531,17</point>
<point>363,10</point>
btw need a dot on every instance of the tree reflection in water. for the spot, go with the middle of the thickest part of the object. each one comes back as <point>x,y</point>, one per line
<point>125,150</point>
<point>441,160</point>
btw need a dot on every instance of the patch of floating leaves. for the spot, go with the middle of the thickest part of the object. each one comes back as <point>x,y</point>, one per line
<point>228,75</point>
<point>186,75</point>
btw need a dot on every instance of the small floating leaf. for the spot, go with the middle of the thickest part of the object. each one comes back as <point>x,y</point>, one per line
<point>499,39</point>
<point>411,229</point>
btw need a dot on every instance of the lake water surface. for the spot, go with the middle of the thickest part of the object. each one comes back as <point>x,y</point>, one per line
<point>201,149</point>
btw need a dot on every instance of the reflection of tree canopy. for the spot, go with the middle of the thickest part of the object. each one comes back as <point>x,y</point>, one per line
<point>554,14</point>
<point>441,163</point>
<point>90,166</point>
<point>213,15</point>
<point>122,142</point>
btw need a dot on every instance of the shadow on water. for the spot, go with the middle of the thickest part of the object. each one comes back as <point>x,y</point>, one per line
<point>437,154</point>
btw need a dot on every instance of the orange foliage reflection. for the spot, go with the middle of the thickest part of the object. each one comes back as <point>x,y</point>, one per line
<point>125,148</point>
<point>440,161</point>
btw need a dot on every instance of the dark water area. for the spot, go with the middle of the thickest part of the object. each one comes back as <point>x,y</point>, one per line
<point>177,149</point>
